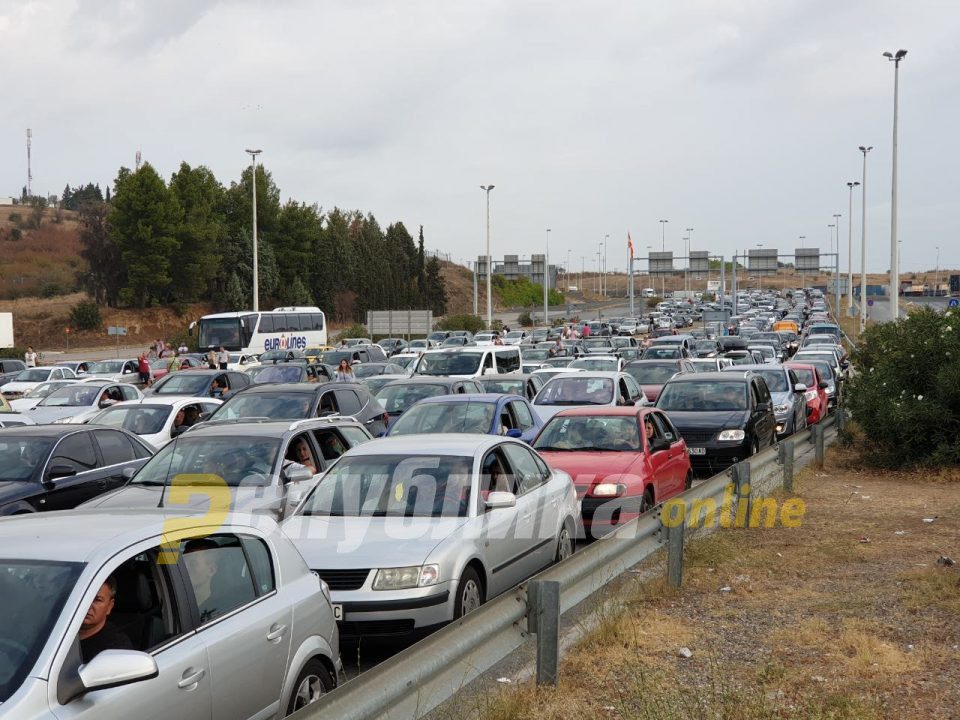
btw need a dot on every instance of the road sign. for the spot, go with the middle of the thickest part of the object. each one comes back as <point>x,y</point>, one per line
<point>953,302</point>
<point>114,330</point>
<point>870,302</point>
<point>399,322</point>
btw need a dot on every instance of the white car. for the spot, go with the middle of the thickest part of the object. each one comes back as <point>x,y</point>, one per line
<point>79,397</point>
<point>240,361</point>
<point>32,397</point>
<point>153,418</point>
<point>123,371</point>
<point>27,380</point>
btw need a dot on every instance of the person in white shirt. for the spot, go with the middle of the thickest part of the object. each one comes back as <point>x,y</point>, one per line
<point>30,357</point>
<point>223,357</point>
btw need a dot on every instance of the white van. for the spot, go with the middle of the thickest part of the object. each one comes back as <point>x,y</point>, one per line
<point>649,292</point>
<point>469,362</point>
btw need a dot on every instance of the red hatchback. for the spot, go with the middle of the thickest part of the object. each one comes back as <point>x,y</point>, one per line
<point>816,394</point>
<point>619,472</point>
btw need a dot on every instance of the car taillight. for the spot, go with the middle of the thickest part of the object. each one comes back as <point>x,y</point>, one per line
<point>385,419</point>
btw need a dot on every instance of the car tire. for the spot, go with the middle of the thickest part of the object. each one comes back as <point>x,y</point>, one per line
<point>646,502</point>
<point>566,544</point>
<point>469,593</point>
<point>312,683</point>
<point>688,483</point>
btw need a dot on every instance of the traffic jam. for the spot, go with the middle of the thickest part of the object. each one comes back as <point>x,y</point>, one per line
<point>201,534</point>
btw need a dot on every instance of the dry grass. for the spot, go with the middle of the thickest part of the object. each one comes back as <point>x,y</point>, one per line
<point>809,622</point>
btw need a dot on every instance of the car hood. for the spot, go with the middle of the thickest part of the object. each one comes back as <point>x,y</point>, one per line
<point>24,404</point>
<point>350,542</point>
<point>589,468</point>
<point>20,387</point>
<point>42,415</point>
<point>715,420</point>
<point>13,490</point>
<point>243,499</point>
<point>781,398</point>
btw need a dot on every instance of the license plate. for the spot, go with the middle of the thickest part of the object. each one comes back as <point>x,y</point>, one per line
<point>697,451</point>
<point>338,612</point>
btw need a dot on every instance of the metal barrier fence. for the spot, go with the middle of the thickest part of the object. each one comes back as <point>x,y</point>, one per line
<point>415,681</point>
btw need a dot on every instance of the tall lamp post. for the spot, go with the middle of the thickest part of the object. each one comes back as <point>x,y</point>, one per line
<point>546,282</point>
<point>256,272</point>
<point>487,189</point>
<point>863,242</point>
<point>895,58</point>
<point>803,278</point>
<point>689,236</point>
<point>850,185</point>
<point>663,248</point>
<point>760,272</point>
<point>605,280</point>
<point>936,277</point>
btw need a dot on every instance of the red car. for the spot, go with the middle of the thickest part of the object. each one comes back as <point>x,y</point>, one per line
<point>816,394</point>
<point>618,472</point>
<point>652,375</point>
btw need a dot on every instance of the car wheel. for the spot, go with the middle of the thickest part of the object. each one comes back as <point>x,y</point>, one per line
<point>646,502</point>
<point>313,682</point>
<point>688,483</point>
<point>564,542</point>
<point>469,593</point>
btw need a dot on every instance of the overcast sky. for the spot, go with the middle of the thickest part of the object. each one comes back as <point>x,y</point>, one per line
<point>738,118</point>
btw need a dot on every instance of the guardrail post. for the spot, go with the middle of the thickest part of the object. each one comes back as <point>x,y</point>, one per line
<point>841,419</point>
<point>675,554</point>
<point>543,619</point>
<point>818,444</point>
<point>742,481</point>
<point>786,462</point>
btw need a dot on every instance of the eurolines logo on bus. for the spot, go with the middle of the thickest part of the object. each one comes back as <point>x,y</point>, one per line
<point>294,342</point>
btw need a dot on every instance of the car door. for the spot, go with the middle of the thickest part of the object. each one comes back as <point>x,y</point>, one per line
<point>660,462</point>
<point>764,421</point>
<point>500,528</point>
<point>244,621</point>
<point>539,511</point>
<point>76,452</point>
<point>151,608</point>
<point>678,462</point>
<point>524,419</point>
<point>118,453</point>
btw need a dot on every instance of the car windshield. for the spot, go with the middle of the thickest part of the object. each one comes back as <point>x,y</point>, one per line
<point>536,354</point>
<point>700,396</point>
<point>506,387</point>
<point>403,362</point>
<point>514,335</point>
<point>590,432</point>
<point>571,389</point>
<point>236,460</point>
<point>394,486</point>
<point>651,374</point>
<point>397,399</point>
<point>283,373</point>
<point>72,396</point>
<point>34,593</point>
<point>106,367</point>
<point>32,375</point>
<point>19,457</point>
<point>705,345</point>
<point>276,406</point>
<point>188,383</point>
<point>596,364</point>
<point>804,376</point>
<point>702,366</point>
<point>596,342</point>
<point>138,419</point>
<point>665,353</point>
<point>453,363</point>
<point>776,381</point>
<point>446,417</point>
<point>369,370</point>
<point>43,389</point>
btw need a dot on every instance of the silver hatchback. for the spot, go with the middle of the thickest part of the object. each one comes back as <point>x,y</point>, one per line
<point>105,617</point>
<point>414,531</point>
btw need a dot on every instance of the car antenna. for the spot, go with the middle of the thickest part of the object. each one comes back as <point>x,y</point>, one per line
<point>167,475</point>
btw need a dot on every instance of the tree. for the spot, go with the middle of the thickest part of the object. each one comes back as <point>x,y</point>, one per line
<point>107,198</point>
<point>298,230</point>
<point>421,278</point>
<point>144,219</point>
<point>435,295</point>
<point>200,234</point>
<point>105,274</point>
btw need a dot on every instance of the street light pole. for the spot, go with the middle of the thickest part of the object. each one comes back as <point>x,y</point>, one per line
<point>850,185</point>
<point>760,272</point>
<point>863,242</point>
<point>685,279</point>
<point>487,189</point>
<point>936,277</point>
<point>803,278</point>
<point>546,282</point>
<point>256,271</point>
<point>894,259</point>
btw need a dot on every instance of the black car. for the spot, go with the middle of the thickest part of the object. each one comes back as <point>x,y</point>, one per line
<point>398,396</point>
<point>9,369</point>
<point>57,467</point>
<point>298,401</point>
<point>392,346</point>
<point>200,383</point>
<point>724,417</point>
<point>707,348</point>
<point>513,384</point>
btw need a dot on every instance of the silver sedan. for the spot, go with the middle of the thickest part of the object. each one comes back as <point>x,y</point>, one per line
<point>106,617</point>
<point>415,531</point>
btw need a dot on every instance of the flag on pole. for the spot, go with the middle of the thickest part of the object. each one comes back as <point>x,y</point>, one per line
<point>630,245</point>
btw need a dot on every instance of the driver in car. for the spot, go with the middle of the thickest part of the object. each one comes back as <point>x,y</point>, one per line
<point>97,633</point>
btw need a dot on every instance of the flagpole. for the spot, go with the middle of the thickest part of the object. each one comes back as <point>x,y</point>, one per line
<point>630,272</point>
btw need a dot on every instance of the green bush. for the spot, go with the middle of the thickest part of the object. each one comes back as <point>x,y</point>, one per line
<point>50,290</point>
<point>85,315</point>
<point>523,293</point>
<point>461,322</point>
<point>13,353</point>
<point>354,331</point>
<point>524,320</point>
<point>905,397</point>
<point>16,219</point>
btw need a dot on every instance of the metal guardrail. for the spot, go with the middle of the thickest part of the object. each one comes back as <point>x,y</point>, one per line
<point>418,679</point>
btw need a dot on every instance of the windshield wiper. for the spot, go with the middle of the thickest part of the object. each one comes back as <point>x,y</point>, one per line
<point>552,447</point>
<point>154,483</point>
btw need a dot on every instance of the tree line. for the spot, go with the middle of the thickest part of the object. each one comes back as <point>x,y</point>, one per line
<point>189,240</point>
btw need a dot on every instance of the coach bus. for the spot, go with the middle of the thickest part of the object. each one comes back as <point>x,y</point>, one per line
<point>293,328</point>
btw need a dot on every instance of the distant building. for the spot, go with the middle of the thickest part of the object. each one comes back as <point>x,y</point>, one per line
<point>7,201</point>
<point>513,268</point>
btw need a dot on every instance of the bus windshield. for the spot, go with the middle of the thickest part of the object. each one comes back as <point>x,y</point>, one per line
<point>225,331</point>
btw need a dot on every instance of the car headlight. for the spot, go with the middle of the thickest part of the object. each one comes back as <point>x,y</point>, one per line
<point>608,490</point>
<point>61,421</point>
<point>830,389</point>
<point>405,578</point>
<point>810,395</point>
<point>732,435</point>
<point>781,409</point>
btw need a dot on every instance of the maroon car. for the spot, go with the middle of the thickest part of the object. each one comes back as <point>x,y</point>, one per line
<point>653,374</point>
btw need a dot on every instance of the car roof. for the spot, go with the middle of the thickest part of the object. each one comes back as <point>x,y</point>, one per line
<point>158,400</point>
<point>724,375</point>
<point>432,444</point>
<point>286,388</point>
<point>427,380</point>
<point>264,427</point>
<point>766,367</point>
<point>503,376</point>
<point>492,398</point>
<point>48,430</point>
<point>604,410</point>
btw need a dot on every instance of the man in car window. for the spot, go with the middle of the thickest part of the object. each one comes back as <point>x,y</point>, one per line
<point>96,632</point>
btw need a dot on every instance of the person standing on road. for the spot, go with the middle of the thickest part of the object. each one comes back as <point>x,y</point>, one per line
<point>30,357</point>
<point>223,358</point>
<point>173,362</point>
<point>586,331</point>
<point>345,372</point>
<point>212,361</point>
<point>143,368</point>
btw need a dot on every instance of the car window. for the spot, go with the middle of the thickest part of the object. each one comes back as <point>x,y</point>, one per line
<point>663,428</point>
<point>145,606</point>
<point>260,562</point>
<point>528,473</point>
<point>219,575</point>
<point>332,445</point>
<point>348,401</point>
<point>354,435</point>
<point>522,414</point>
<point>495,474</point>
<point>115,447</point>
<point>328,405</point>
<point>75,451</point>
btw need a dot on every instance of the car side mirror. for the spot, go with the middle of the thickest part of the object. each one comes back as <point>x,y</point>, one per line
<point>799,387</point>
<point>514,433</point>
<point>658,444</point>
<point>60,471</point>
<point>113,668</point>
<point>500,500</point>
<point>129,472</point>
<point>297,473</point>
<point>823,385</point>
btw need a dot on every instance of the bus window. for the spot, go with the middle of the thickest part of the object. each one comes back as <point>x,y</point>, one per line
<point>266,324</point>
